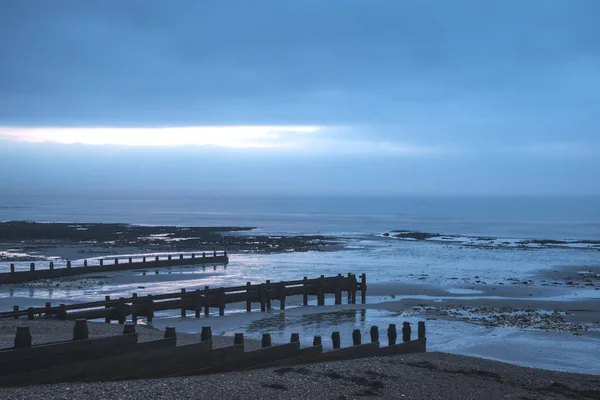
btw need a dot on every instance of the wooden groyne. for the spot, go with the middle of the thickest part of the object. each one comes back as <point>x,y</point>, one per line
<point>111,265</point>
<point>123,357</point>
<point>203,299</point>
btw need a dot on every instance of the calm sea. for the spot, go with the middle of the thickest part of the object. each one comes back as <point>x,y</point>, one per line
<point>558,217</point>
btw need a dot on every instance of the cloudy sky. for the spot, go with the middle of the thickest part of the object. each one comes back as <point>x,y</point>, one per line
<point>344,96</point>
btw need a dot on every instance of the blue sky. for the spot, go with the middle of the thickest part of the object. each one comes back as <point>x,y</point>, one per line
<point>390,96</point>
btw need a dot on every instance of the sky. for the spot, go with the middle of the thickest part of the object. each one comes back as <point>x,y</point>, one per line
<point>302,96</point>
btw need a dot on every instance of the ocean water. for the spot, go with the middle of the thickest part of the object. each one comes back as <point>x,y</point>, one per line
<point>539,217</point>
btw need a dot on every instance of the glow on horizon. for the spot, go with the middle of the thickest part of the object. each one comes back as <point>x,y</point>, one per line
<point>222,136</point>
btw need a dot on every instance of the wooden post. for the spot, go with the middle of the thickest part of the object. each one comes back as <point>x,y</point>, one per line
<point>349,287</point>
<point>156,259</point>
<point>197,303</point>
<point>69,264</point>
<point>406,331</point>
<point>181,256</point>
<point>335,339</point>
<point>221,297</point>
<point>392,334</point>
<point>16,309</point>
<point>169,257</point>
<point>116,261</point>
<point>268,291</point>
<point>206,334</point>
<point>354,283</point>
<point>363,288</point>
<point>356,339</point>
<point>214,253</point>
<point>30,313</point>
<point>203,254</point>
<point>85,263</point>
<point>80,330</point>
<point>321,291</point>
<point>374,334</point>
<point>338,289</point>
<point>206,301</point>
<point>32,267</point>
<point>62,312</point>
<point>122,311</point>
<point>421,330</point>
<point>107,317</point>
<point>101,262</point>
<point>295,337</point>
<point>129,328</point>
<point>238,339</point>
<point>133,314</point>
<point>282,295</point>
<point>130,260</point>
<point>266,340</point>
<point>248,296</point>
<point>317,341</point>
<point>12,268</point>
<point>23,337</point>
<point>263,297</point>
<point>144,259</point>
<point>149,308</point>
<point>193,256</point>
<point>51,265</point>
<point>47,306</point>
<point>170,332</point>
<point>183,312</point>
<point>305,294</point>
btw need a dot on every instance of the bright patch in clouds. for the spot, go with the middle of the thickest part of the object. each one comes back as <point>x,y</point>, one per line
<point>224,136</point>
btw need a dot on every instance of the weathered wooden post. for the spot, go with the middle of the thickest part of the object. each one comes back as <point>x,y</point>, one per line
<point>85,263</point>
<point>266,340</point>
<point>392,334</point>
<point>305,292</point>
<point>51,266</point>
<point>116,261</point>
<point>149,305</point>
<point>133,313</point>
<point>169,257</point>
<point>317,341</point>
<point>69,264</point>
<point>183,311</point>
<point>321,291</point>
<point>193,255</point>
<point>122,310</point>
<point>206,334</point>
<point>354,284</point>
<point>30,313</point>
<point>356,338</point>
<point>214,253</point>
<point>181,256</point>
<point>129,328</point>
<point>16,309</point>
<point>130,260</point>
<point>268,291</point>
<point>349,287</point>
<point>406,331</point>
<point>156,259</point>
<point>62,312</point>
<point>206,301</point>
<point>32,267</point>
<point>238,339</point>
<point>170,332</point>
<point>23,337</point>
<point>203,254</point>
<point>363,288</point>
<point>335,339</point>
<point>144,259</point>
<point>295,337</point>
<point>12,268</point>
<point>107,306</point>
<point>221,299</point>
<point>80,330</point>
<point>101,262</point>
<point>248,297</point>
<point>282,295</point>
<point>263,297</point>
<point>338,289</point>
<point>374,334</point>
<point>197,303</point>
<point>421,330</point>
<point>47,306</point>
